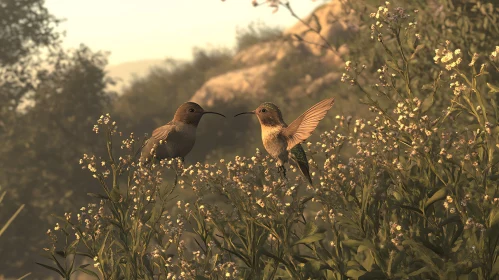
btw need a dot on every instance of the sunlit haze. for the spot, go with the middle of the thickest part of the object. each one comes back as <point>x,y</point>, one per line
<point>135,30</point>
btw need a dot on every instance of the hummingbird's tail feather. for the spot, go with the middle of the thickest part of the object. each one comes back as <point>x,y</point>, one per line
<point>298,155</point>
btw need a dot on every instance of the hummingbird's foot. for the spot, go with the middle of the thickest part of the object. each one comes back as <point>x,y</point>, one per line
<point>282,171</point>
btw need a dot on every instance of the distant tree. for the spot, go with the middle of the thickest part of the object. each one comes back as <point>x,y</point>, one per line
<point>25,27</point>
<point>44,145</point>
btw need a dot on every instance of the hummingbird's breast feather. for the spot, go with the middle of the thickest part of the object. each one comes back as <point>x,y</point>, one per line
<point>180,143</point>
<point>275,143</point>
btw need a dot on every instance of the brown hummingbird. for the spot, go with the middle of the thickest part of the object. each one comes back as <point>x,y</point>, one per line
<point>176,138</point>
<point>282,141</point>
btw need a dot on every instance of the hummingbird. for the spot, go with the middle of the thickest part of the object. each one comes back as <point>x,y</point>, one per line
<point>176,138</point>
<point>282,141</point>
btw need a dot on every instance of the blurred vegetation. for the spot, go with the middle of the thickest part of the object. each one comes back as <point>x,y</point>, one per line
<point>256,33</point>
<point>443,198</point>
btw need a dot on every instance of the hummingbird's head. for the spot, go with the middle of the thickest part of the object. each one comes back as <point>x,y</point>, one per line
<point>268,114</point>
<point>191,113</point>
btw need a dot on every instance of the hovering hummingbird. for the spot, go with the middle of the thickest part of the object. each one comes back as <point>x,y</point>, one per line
<point>176,138</point>
<point>282,141</point>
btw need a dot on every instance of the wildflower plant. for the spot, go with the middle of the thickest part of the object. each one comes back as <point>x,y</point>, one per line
<point>411,193</point>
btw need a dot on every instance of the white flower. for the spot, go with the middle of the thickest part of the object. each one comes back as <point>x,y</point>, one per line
<point>447,57</point>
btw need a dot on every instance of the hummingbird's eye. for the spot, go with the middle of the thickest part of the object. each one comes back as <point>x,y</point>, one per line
<point>191,110</point>
<point>263,110</point>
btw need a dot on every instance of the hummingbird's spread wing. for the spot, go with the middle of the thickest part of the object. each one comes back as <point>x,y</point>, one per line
<point>301,128</point>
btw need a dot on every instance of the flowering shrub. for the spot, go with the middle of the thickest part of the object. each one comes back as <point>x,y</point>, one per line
<point>410,194</point>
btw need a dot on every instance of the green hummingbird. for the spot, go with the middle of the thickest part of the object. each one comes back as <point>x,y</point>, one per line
<point>176,138</point>
<point>282,141</point>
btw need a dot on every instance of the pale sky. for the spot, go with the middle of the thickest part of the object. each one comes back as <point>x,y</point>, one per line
<point>154,29</point>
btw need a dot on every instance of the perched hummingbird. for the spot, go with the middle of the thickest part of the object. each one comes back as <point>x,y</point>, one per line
<point>282,141</point>
<point>176,138</point>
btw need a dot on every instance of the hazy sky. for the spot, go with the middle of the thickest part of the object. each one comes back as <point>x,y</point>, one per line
<point>154,29</point>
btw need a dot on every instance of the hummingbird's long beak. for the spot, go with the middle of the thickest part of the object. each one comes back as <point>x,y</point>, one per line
<point>252,112</point>
<point>208,112</point>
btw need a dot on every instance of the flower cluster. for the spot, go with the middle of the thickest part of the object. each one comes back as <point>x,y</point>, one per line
<point>451,59</point>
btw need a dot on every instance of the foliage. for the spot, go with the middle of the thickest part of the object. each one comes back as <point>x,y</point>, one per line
<point>26,25</point>
<point>52,129</point>
<point>256,33</point>
<point>418,199</point>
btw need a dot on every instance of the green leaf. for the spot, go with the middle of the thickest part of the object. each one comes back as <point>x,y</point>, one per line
<point>88,272</point>
<point>213,261</point>
<point>429,257</point>
<point>368,261</point>
<point>96,195</point>
<point>494,218</point>
<point>418,49</point>
<point>24,276</point>
<point>301,259</point>
<point>310,228</point>
<point>414,209</point>
<point>427,102</point>
<point>352,243</point>
<point>11,219</point>
<point>61,253</point>
<point>451,219</point>
<point>51,268</point>
<point>58,264</point>
<point>392,64</point>
<point>493,229</point>
<point>439,195</point>
<point>464,267</point>
<point>84,254</point>
<point>395,261</point>
<point>311,238</point>
<point>495,269</point>
<point>493,88</point>
<point>355,274</point>
<point>84,265</point>
<point>365,275</point>
<point>267,270</point>
<point>419,271</point>
<point>146,217</point>
<point>398,196</point>
<point>305,199</point>
<point>313,265</point>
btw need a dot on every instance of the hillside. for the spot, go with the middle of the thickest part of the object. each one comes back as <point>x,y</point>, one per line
<point>123,73</point>
<point>263,60</point>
